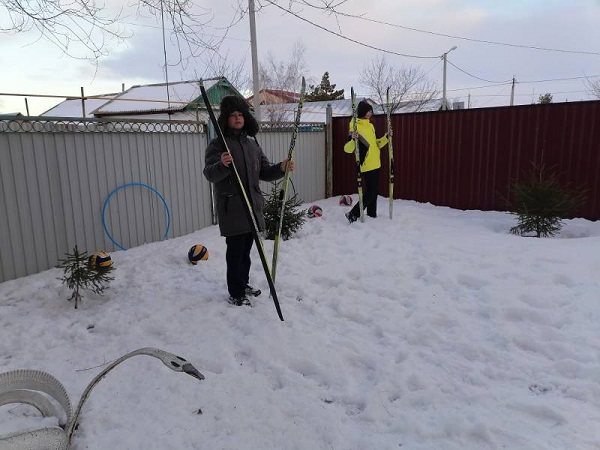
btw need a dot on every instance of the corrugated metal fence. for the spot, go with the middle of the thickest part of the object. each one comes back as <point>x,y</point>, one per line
<point>467,159</point>
<point>110,185</point>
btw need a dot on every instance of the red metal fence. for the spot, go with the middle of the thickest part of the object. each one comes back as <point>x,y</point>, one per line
<point>467,159</point>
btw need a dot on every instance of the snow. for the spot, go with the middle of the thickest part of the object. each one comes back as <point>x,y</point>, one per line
<point>435,330</point>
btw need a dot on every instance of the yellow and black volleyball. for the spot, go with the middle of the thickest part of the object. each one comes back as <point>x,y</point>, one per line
<point>99,260</point>
<point>197,253</point>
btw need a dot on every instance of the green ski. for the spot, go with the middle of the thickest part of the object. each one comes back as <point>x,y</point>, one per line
<point>357,156</point>
<point>286,178</point>
<point>390,153</point>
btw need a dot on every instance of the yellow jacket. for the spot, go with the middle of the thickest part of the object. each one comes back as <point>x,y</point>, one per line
<point>368,144</point>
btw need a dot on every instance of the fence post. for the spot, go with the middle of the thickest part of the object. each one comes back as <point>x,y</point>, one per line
<point>210,134</point>
<point>328,151</point>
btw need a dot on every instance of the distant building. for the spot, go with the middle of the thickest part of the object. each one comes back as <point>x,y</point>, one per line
<point>274,96</point>
<point>316,111</point>
<point>180,100</point>
<point>76,107</point>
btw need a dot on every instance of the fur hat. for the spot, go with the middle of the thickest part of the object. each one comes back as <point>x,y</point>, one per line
<point>363,108</point>
<point>232,103</point>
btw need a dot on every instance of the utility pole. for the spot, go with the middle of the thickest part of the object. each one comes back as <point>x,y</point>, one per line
<point>512,92</point>
<point>254,53</point>
<point>445,58</point>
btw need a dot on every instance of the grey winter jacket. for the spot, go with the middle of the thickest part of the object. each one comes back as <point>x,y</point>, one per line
<point>253,165</point>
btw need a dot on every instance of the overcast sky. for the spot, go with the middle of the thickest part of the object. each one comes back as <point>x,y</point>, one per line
<point>517,37</point>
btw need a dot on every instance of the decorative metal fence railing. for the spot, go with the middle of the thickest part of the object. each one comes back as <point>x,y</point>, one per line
<point>70,125</point>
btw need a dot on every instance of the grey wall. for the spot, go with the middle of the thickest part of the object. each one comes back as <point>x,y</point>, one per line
<point>54,185</point>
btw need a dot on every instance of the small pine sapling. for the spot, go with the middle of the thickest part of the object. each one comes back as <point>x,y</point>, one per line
<point>541,203</point>
<point>78,275</point>
<point>292,218</point>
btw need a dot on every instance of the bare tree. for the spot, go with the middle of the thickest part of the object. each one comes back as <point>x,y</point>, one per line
<point>64,24</point>
<point>187,25</point>
<point>235,72</point>
<point>593,87</point>
<point>82,28</point>
<point>409,87</point>
<point>282,76</point>
<point>330,6</point>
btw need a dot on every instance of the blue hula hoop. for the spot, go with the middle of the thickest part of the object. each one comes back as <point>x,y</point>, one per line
<point>123,186</point>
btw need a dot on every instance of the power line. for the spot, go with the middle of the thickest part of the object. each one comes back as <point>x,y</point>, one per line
<point>480,87</point>
<point>474,76</point>
<point>347,38</point>
<point>560,79</point>
<point>501,83</point>
<point>483,41</point>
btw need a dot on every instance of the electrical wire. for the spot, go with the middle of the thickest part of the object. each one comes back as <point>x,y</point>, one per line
<point>483,41</point>
<point>560,79</point>
<point>479,87</point>
<point>346,37</point>
<point>474,76</point>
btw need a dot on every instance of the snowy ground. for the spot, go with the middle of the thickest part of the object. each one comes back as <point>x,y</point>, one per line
<point>436,330</point>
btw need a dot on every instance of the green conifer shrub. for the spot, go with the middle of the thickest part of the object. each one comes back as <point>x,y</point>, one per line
<point>541,203</point>
<point>292,218</point>
<point>78,275</point>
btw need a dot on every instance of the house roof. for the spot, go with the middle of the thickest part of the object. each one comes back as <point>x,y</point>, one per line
<point>313,111</point>
<point>72,107</point>
<point>269,94</point>
<point>151,101</point>
<point>155,98</point>
<point>316,111</point>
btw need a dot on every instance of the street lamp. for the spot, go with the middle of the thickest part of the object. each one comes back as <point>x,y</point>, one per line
<point>445,58</point>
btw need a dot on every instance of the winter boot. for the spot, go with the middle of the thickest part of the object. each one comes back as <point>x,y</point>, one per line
<point>240,301</point>
<point>252,291</point>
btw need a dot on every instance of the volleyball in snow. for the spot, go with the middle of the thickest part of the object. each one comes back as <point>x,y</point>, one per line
<point>99,260</point>
<point>314,211</point>
<point>346,200</point>
<point>197,253</point>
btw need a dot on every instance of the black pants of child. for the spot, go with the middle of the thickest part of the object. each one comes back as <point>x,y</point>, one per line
<point>370,194</point>
<point>238,263</point>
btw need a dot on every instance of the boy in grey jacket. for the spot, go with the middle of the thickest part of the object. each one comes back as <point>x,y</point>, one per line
<point>238,125</point>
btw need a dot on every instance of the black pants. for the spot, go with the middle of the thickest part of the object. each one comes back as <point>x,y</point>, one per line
<point>370,194</point>
<point>238,263</point>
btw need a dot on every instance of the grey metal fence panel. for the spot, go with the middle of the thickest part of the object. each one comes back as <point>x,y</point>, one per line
<point>150,167</point>
<point>308,179</point>
<point>53,186</point>
<point>57,178</point>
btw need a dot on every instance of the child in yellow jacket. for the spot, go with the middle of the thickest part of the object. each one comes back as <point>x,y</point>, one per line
<point>370,159</point>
